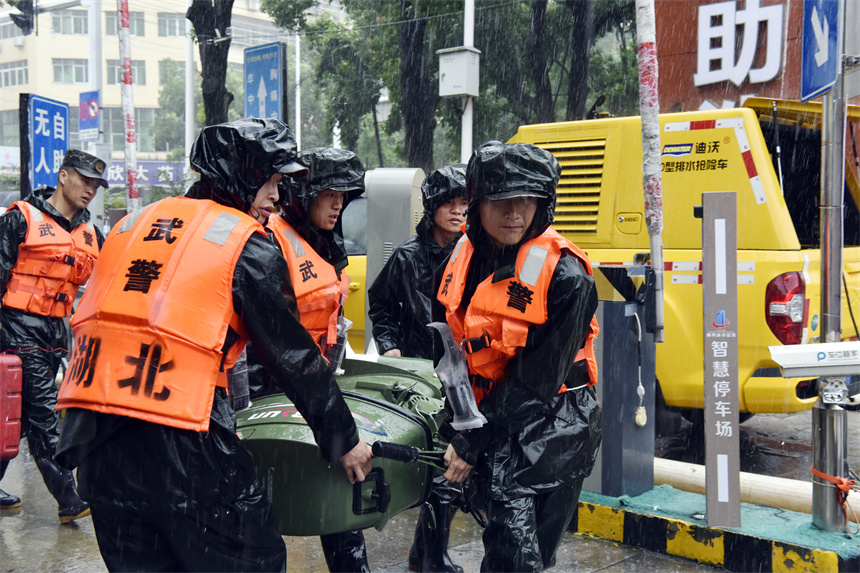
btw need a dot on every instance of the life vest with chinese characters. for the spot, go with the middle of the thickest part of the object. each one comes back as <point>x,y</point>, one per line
<point>150,329</point>
<point>496,324</point>
<point>52,264</point>
<point>319,293</point>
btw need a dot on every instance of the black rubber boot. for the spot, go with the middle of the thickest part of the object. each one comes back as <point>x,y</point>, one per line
<point>429,552</point>
<point>61,484</point>
<point>345,552</point>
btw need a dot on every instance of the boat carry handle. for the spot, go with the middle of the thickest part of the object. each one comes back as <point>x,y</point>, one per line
<point>381,493</point>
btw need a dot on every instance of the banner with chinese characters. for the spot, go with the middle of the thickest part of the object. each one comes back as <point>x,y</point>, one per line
<point>720,286</point>
<point>159,173</point>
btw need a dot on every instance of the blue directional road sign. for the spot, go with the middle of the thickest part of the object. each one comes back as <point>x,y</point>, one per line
<point>265,81</point>
<point>88,116</point>
<point>821,54</point>
<point>49,139</point>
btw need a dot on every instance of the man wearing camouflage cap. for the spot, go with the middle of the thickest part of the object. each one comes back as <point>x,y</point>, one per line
<point>48,246</point>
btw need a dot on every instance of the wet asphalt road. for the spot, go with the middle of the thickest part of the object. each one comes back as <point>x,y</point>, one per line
<point>32,540</point>
<point>778,445</point>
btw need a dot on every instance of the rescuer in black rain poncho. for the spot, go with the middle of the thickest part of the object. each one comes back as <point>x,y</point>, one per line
<point>171,486</point>
<point>522,299</point>
<point>400,305</point>
<point>402,295</point>
<point>308,232</point>
<point>48,247</point>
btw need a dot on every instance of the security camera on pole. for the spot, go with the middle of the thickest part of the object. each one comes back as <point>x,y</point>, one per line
<point>458,77</point>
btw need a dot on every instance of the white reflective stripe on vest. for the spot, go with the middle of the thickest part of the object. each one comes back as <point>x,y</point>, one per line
<point>294,240</point>
<point>35,213</point>
<point>221,228</point>
<point>457,248</point>
<point>530,273</point>
<point>130,221</point>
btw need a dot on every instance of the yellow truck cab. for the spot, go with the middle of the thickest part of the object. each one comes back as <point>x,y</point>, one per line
<point>354,220</point>
<point>600,207</point>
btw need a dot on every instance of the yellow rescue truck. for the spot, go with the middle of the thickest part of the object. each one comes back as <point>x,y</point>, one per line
<point>600,208</point>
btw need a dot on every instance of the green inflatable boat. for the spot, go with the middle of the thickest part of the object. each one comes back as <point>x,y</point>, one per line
<point>392,400</point>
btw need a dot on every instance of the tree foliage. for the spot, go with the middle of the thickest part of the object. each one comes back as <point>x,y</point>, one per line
<point>346,77</point>
<point>169,128</point>
<point>536,59</point>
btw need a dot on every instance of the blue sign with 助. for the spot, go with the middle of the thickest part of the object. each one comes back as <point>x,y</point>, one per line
<point>49,139</point>
<point>265,72</point>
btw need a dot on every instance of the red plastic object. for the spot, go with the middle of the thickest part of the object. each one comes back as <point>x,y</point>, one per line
<point>10,405</point>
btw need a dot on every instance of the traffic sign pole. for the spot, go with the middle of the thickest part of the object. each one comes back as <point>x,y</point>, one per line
<point>829,446</point>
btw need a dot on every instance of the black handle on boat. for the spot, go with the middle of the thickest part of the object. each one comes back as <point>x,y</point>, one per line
<point>391,451</point>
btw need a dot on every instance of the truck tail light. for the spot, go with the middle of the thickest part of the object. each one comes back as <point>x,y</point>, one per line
<point>785,307</point>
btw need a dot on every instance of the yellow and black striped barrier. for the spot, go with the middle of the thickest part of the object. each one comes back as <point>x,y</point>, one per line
<point>667,521</point>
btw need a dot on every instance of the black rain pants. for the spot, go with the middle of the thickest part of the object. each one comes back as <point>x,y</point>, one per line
<point>218,538</point>
<point>523,534</point>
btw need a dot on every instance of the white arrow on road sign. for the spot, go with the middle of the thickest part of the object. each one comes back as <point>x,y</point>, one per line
<point>265,79</point>
<point>821,38</point>
<point>261,98</point>
<point>821,57</point>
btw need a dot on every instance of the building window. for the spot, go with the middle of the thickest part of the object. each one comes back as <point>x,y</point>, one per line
<point>14,74</point>
<point>114,130</point>
<point>9,30</point>
<point>250,31</point>
<point>171,24</point>
<point>144,119</point>
<point>9,133</point>
<point>169,68</point>
<point>69,22</point>
<point>69,71</point>
<point>135,24</point>
<point>138,72</point>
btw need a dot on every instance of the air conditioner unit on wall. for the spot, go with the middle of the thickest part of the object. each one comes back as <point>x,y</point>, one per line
<point>19,41</point>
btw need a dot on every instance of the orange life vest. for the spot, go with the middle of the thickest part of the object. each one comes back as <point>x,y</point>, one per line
<point>52,264</point>
<point>496,324</point>
<point>319,293</point>
<point>150,330</point>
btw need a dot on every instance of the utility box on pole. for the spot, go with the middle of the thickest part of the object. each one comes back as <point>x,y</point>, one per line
<point>458,71</point>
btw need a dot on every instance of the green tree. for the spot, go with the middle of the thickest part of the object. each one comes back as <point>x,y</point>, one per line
<point>346,78</point>
<point>535,64</point>
<point>407,32</point>
<point>169,128</point>
<point>614,71</point>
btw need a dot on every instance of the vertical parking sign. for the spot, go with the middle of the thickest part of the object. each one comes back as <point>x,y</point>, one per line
<point>45,135</point>
<point>720,293</point>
